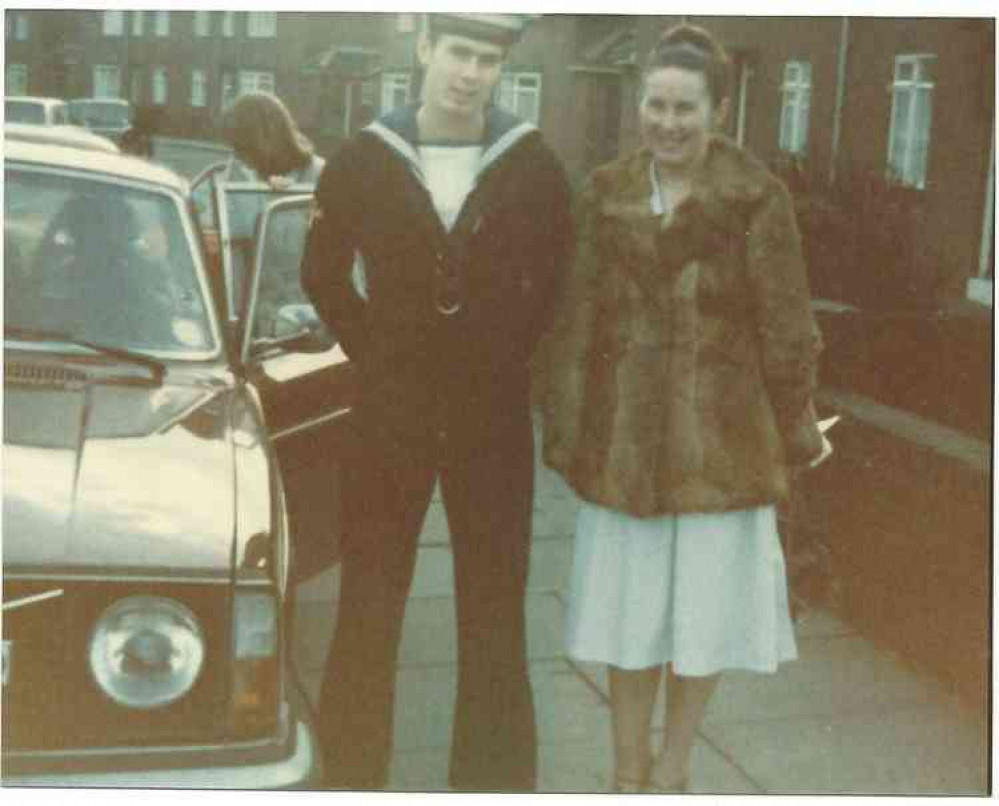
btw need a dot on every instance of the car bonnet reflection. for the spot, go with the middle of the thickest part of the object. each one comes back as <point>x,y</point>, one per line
<point>162,500</point>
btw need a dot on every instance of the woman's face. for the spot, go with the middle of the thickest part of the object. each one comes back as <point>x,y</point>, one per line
<point>677,115</point>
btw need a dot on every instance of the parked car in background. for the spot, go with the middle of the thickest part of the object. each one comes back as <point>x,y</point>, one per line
<point>148,547</point>
<point>35,109</point>
<point>111,117</point>
<point>70,136</point>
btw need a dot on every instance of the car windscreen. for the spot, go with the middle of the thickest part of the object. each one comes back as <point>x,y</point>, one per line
<point>23,112</point>
<point>95,113</point>
<point>102,261</point>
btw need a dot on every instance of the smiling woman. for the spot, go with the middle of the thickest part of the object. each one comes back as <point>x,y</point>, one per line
<point>680,381</point>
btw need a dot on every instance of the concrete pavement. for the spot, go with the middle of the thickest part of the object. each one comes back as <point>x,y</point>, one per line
<point>845,718</point>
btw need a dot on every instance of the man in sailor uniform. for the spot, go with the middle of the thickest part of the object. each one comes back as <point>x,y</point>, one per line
<point>442,234</point>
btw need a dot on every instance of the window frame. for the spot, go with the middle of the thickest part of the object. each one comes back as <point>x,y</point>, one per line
<point>228,24</point>
<point>202,23</point>
<point>199,88</point>
<point>158,71</point>
<point>394,81</point>
<point>161,23</point>
<point>510,82</point>
<point>261,24</point>
<point>910,175</point>
<point>98,85</point>
<point>250,81</point>
<point>22,27</point>
<point>16,68</point>
<point>138,22</point>
<point>112,23</point>
<point>795,108</point>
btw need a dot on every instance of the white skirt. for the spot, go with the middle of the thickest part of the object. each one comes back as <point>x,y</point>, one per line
<point>704,592</point>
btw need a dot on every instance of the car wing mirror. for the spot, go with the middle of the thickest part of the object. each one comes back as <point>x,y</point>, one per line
<point>296,328</point>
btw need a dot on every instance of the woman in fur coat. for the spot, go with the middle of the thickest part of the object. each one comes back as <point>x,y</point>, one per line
<point>680,384</point>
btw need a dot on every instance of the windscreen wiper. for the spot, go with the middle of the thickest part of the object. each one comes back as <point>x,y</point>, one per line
<point>157,367</point>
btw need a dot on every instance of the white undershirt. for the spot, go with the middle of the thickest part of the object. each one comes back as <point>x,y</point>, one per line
<point>450,173</point>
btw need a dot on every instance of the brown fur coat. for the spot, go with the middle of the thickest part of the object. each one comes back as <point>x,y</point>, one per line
<point>682,363</point>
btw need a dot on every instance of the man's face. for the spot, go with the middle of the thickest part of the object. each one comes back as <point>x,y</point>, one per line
<point>460,74</point>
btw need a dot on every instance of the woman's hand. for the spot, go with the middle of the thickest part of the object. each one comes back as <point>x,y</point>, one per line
<point>280,182</point>
<point>827,450</point>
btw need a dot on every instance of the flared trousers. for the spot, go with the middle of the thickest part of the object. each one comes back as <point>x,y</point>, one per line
<point>487,493</point>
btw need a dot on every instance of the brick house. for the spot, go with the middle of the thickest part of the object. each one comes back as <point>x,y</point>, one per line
<point>842,98</point>
<point>190,64</point>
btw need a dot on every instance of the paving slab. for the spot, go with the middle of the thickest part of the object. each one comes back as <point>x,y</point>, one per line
<point>832,676</point>
<point>847,717</point>
<point>916,751</point>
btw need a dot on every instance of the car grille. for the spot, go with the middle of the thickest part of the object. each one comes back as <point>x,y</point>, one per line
<point>49,376</point>
<point>50,700</point>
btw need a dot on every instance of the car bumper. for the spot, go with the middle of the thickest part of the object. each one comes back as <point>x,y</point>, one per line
<point>296,767</point>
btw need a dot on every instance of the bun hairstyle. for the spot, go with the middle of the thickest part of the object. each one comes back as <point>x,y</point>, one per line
<point>690,47</point>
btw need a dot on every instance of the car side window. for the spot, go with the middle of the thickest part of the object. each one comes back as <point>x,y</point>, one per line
<point>280,308</point>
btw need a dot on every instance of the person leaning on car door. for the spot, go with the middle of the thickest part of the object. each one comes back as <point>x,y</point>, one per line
<point>442,234</point>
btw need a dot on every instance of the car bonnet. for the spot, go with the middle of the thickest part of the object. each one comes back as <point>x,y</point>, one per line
<point>102,476</point>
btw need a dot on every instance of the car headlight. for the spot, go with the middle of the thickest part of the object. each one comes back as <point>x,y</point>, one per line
<point>146,651</point>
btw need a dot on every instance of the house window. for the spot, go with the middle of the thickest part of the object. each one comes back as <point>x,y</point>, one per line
<point>113,23</point>
<point>21,27</point>
<point>261,24</point>
<point>255,81</point>
<point>138,22</point>
<point>107,81</point>
<point>228,89</point>
<point>405,23</point>
<point>520,93</point>
<point>16,76</point>
<point>395,90</point>
<point>911,114</point>
<point>135,88</point>
<point>161,23</point>
<point>202,23</point>
<point>796,92</point>
<point>199,88</point>
<point>159,85</point>
<point>228,24</point>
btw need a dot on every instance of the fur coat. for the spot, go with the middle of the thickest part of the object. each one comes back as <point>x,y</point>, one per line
<point>683,360</point>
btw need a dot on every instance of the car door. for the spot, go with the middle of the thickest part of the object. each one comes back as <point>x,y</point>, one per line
<point>304,380</point>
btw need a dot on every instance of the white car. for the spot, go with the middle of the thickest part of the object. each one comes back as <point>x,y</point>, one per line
<point>155,444</point>
<point>36,109</point>
<point>68,136</point>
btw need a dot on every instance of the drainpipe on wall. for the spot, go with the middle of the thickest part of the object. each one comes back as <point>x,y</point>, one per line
<point>980,287</point>
<point>844,44</point>
<point>745,73</point>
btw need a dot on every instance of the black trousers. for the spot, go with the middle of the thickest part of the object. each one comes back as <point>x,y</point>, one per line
<point>488,497</point>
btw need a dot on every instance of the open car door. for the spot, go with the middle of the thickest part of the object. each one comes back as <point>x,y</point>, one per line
<point>304,378</point>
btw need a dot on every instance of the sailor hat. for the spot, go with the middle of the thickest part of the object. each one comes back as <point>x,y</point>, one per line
<point>497,29</point>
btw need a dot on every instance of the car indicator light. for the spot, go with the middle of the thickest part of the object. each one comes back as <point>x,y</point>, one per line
<point>256,677</point>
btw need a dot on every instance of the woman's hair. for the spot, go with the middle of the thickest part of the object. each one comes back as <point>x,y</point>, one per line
<point>692,48</point>
<point>263,134</point>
